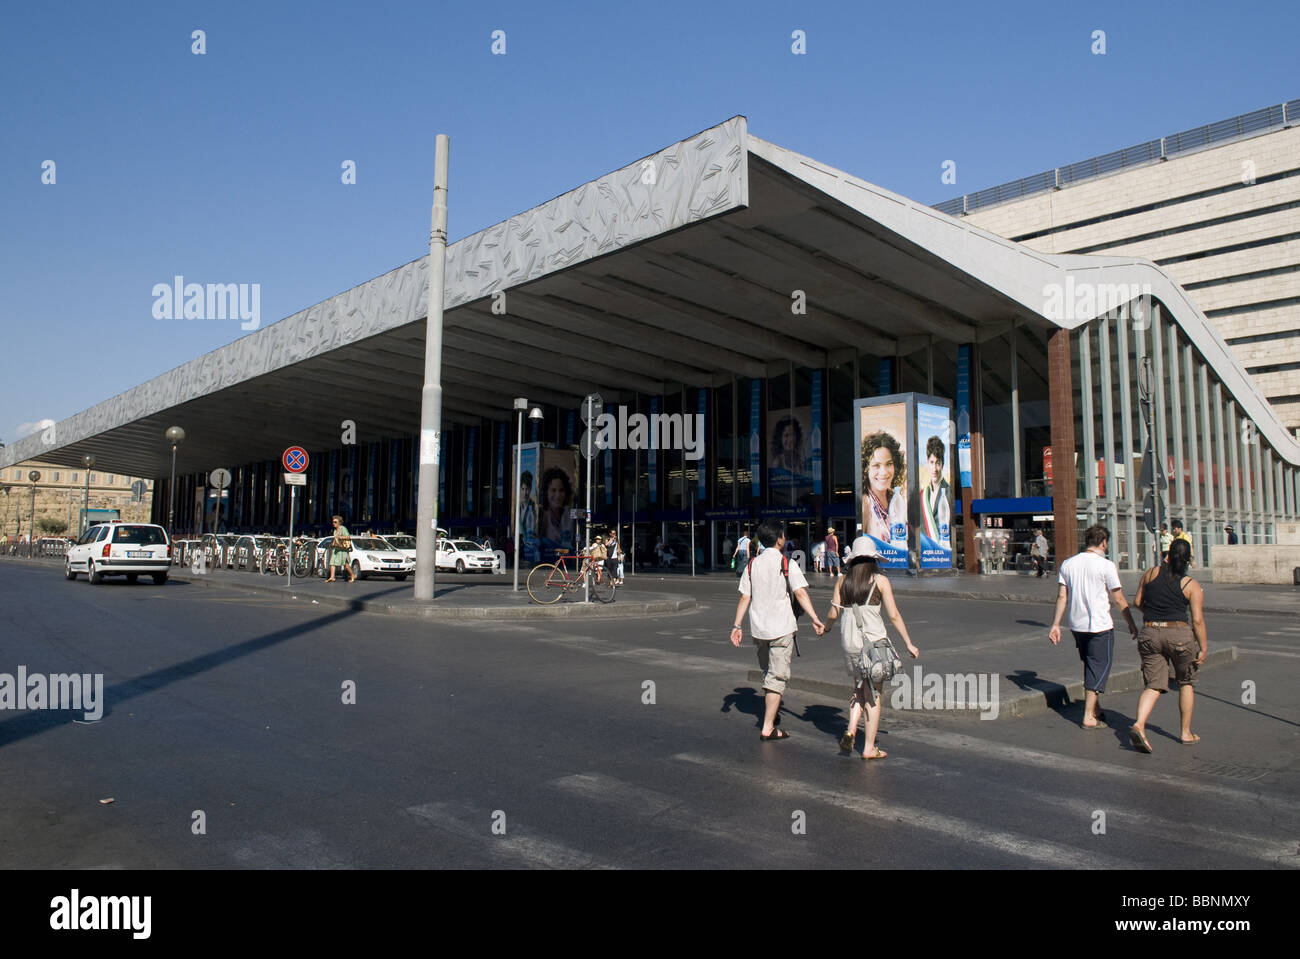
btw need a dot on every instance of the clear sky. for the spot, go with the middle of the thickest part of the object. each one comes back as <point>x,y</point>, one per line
<point>225,166</point>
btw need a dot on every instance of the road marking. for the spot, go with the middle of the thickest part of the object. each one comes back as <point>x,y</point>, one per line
<point>532,851</point>
<point>650,657</point>
<point>908,815</point>
<point>1267,652</point>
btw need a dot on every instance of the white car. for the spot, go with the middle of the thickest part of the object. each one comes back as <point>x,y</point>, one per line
<point>464,556</point>
<point>404,543</point>
<point>370,556</point>
<point>120,549</point>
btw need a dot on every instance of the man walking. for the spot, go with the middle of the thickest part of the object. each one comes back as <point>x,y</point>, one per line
<point>741,555</point>
<point>832,551</point>
<point>1089,583</point>
<point>765,593</point>
<point>1039,553</point>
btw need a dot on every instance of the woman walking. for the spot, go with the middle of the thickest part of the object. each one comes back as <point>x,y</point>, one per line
<point>1166,595</point>
<point>341,550</point>
<point>860,596</point>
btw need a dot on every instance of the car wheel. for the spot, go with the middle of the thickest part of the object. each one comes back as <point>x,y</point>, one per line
<point>159,578</point>
<point>93,577</point>
<point>399,577</point>
<point>67,570</point>
<point>460,566</point>
<point>356,569</point>
<point>132,577</point>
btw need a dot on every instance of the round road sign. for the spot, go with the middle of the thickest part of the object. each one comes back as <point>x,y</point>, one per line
<point>295,459</point>
<point>219,478</point>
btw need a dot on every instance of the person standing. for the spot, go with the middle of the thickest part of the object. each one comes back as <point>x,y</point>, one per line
<point>614,558</point>
<point>1089,583</point>
<point>341,549</point>
<point>832,550</point>
<point>741,555</point>
<point>1232,536</point>
<point>766,583</point>
<point>863,592</point>
<point>1166,538</point>
<point>1180,533</point>
<point>1166,595</point>
<point>1039,553</point>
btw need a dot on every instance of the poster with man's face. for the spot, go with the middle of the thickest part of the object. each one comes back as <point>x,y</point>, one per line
<point>882,480</point>
<point>935,530</point>
<point>525,503</point>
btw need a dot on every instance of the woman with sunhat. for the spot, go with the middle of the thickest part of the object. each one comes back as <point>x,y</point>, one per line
<point>863,590</point>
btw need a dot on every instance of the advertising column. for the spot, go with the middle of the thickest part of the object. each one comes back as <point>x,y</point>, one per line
<point>934,535</point>
<point>882,476</point>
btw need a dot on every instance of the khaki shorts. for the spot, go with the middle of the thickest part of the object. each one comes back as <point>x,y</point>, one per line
<point>1162,647</point>
<point>774,656</point>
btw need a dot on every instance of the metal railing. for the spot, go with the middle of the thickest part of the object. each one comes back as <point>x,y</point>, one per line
<point>1153,151</point>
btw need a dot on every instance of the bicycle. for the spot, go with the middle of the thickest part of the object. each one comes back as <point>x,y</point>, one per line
<point>548,582</point>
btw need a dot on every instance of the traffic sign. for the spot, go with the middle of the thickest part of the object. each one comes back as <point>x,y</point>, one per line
<point>588,440</point>
<point>295,459</point>
<point>219,478</point>
<point>1149,510</point>
<point>294,479</point>
<point>138,489</point>
<point>1145,479</point>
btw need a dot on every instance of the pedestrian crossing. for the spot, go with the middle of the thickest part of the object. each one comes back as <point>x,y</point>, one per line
<point>733,807</point>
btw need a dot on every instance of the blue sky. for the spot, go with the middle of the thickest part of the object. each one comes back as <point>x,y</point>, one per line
<point>225,167</point>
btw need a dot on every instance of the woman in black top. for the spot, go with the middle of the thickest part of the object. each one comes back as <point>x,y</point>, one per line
<point>1173,634</point>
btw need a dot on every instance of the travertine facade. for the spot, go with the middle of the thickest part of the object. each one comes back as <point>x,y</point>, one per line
<point>1223,221</point>
<point>59,495</point>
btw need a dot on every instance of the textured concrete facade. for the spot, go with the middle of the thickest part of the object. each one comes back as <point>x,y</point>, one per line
<point>1224,222</point>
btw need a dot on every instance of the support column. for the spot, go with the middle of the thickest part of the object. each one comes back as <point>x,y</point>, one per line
<point>976,489</point>
<point>1060,374</point>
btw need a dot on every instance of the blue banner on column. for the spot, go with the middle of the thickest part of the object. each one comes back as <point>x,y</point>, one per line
<point>886,377</point>
<point>372,494</point>
<point>817,432</point>
<point>609,477</point>
<point>330,503</point>
<point>469,470</point>
<point>652,456</point>
<point>501,460</point>
<point>963,414</point>
<point>701,464</point>
<point>394,475</point>
<point>536,429</point>
<point>568,427</point>
<point>755,444</point>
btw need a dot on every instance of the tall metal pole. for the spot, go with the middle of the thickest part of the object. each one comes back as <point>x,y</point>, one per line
<point>293,499</point>
<point>426,527</point>
<point>520,406</point>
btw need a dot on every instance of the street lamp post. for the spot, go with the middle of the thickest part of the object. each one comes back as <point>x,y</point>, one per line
<point>35,477</point>
<point>88,461</point>
<point>176,436</point>
<point>521,404</point>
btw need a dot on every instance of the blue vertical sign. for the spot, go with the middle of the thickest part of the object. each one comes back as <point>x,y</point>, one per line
<point>568,427</point>
<point>469,470</point>
<point>331,503</point>
<point>755,446</point>
<point>652,456</point>
<point>702,466</point>
<point>963,413</point>
<point>817,432</point>
<point>886,377</point>
<point>372,494</point>
<point>609,476</point>
<point>394,471</point>
<point>501,460</point>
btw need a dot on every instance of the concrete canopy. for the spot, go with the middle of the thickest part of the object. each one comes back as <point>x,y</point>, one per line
<point>676,269</point>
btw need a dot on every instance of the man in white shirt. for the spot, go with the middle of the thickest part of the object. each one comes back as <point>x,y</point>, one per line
<point>1089,582</point>
<point>1039,553</point>
<point>765,594</point>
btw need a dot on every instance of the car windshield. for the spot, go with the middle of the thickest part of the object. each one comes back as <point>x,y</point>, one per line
<point>140,535</point>
<point>466,545</point>
<point>370,544</point>
<point>402,542</point>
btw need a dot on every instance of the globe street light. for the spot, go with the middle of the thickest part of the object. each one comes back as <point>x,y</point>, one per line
<point>88,461</point>
<point>176,436</point>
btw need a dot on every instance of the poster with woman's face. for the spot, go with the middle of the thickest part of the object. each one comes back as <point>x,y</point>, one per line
<point>789,449</point>
<point>556,493</point>
<point>882,481</point>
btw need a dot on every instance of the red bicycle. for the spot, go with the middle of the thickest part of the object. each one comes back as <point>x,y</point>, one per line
<point>548,582</point>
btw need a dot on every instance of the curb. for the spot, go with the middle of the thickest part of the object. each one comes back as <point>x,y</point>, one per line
<point>1027,599</point>
<point>412,610</point>
<point>1027,703</point>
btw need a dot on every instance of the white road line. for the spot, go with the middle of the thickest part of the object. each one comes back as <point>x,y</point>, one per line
<point>662,659</point>
<point>909,816</point>
<point>516,845</point>
<point>1267,652</point>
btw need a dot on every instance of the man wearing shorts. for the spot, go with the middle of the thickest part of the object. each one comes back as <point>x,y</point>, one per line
<point>1088,584</point>
<point>832,551</point>
<point>763,592</point>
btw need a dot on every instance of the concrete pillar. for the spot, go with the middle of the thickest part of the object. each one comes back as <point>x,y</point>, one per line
<point>1061,404</point>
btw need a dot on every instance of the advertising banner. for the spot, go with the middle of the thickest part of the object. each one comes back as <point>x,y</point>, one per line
<point>934,532</point>
<point>963,414</point>
<point>394,477</point>
<point>755,444</point>
<point>501,461</point>
<point>652,458</point>
<point>702,487</point>
<point>882,477</point>
<point>789,463</point>
<point>555,495</point>
<point>469,470</point>
<point>525,503</point>
<point>817,432</point>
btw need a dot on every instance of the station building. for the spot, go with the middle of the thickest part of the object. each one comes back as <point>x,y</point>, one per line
<point>728,277</point>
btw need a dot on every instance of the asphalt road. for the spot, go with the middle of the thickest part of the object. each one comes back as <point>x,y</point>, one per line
<point>231,705</point>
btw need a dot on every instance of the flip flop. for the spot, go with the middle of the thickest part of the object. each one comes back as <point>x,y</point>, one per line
<point>1098,726</point>
<point>877,754</point>
<point>1191,742</point>
<point>776,734</point>
<point>846,741</point>
<point>1139,740</point>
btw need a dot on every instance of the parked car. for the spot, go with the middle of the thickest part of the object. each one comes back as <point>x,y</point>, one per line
<point>370,556</point>
<point>464,556</point>
<point>404,543</point>
<point>120,549</point>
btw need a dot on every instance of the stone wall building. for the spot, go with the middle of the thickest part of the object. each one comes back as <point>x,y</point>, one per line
<point>59,495</point>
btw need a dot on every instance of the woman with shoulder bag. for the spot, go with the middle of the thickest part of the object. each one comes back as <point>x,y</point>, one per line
<point>341,550</point>
<point>860,596</point>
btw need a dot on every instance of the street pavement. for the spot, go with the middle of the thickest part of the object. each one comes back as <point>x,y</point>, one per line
<point>614,742</point>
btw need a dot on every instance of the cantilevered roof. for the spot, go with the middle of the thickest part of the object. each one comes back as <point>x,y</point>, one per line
<point>679,268</point>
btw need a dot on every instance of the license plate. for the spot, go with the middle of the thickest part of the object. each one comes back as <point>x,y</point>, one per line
<point>138,554</point>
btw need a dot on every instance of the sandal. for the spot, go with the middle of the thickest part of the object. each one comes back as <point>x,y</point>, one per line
<point>877,753</point>
<point>1191,742</point>
<point>846,741</point>
<point>1139,740</point>
<point>776,734</point>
